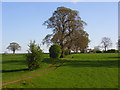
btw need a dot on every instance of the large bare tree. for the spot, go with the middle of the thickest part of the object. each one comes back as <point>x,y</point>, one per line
<point>106,42</point>
<point>14,46</point>
<point>63,22</point>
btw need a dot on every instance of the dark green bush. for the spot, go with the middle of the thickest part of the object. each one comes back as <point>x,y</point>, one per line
<point>55,51</point>
<point>112,51</point>
<point>34,56</point>
<point>98,51</point>
<point>67,51</point>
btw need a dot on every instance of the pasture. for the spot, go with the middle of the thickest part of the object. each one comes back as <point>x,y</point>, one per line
<point>81,71</point>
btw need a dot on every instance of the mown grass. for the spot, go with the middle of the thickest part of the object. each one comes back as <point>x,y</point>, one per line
<point>15,67</point>
<point>81,71</point>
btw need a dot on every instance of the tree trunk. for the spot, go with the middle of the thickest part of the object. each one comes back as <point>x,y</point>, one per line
<point>105,49</point>
<point>13,51</point>
<point>62,55</point>
<point>82,50</point>
<point>70,50</point>
<point>76,50</point>
<point>62,48</point>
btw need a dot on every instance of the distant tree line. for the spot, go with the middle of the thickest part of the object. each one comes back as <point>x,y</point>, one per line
<point>105,44</point>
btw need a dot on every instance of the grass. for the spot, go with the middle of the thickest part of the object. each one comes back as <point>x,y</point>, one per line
<point>15,67</point>
<point>81,71</point>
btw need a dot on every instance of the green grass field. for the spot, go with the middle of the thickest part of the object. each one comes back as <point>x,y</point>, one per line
<point>81,71</point>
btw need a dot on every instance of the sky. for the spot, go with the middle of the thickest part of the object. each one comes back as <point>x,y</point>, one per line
<point>23,21</point>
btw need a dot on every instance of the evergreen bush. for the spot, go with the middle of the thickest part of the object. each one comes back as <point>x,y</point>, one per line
<point>34,56</point>
<point>55,51</point>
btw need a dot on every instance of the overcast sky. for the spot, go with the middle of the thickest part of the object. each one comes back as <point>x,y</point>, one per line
<point>22,22</point>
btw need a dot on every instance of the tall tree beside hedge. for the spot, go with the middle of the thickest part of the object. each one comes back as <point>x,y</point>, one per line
<point>34,56</point>
<point>55,51</point>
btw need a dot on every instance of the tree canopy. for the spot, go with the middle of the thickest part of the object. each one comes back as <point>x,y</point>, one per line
<point>80,41</point>
<point>14,46</point>
<point>65,23</point>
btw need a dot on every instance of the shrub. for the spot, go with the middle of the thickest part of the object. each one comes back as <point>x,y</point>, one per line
<point>98,51</point>
<point>112,51</point>
<point>55,51</point>
<point>105,51</point>
<point>34,56</point>
<point>67,51</point>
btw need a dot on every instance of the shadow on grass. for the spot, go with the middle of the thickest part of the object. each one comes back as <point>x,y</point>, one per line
<point>18,62</point>
<point>74,63</point>
<point>114,57</point>
<point>16,70</point>
<point>86,63</point>
<point>22,62</point>
<point>51,60</point>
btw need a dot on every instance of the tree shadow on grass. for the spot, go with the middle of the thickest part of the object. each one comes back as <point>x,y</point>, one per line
<point>72,63</point>
<point>111,64</point>
<point>20,62</point>
<point>16,70</point>
<point>86,63</point>
<point>14,62</point>
<point>51,60</point>
<point>114,57</point>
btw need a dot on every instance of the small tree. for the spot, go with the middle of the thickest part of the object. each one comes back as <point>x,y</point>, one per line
<point>55,51</point>
<point>34,56</point>
<point>13,47</point>
<point>106,42</point>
